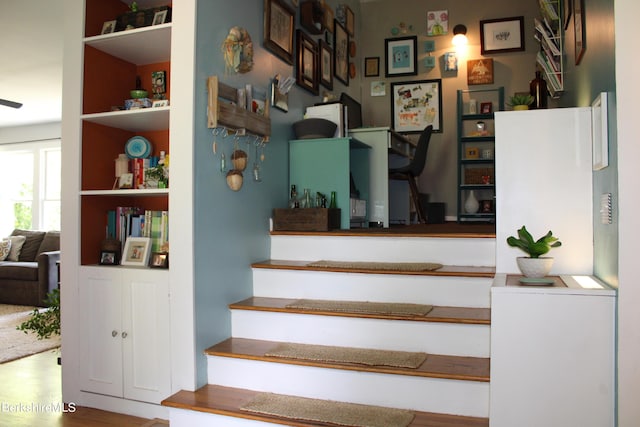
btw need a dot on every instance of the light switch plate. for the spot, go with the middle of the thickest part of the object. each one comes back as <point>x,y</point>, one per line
<point>605,209</point>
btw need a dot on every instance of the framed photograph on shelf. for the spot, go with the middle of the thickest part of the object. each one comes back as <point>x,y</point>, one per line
<point>502,35</point>
<point>109,258</point>
<point>340,53</point>
<point>160,17</point>
<point>108,27</point>
<point>486,107</point>
<point>136,251</point>
<point>579,26</point>
<point>326,64</point>
<point>401,56</point>
<point>159,260</point>
<point>372,66</point>
<point>307,62</point>
<point>278,29</point>
<point>480,71</point>
<point>416,105</point>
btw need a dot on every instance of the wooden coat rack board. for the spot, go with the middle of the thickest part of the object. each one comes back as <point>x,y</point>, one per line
<point>223,110</point>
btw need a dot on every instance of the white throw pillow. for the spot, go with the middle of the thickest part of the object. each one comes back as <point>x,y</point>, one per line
<point>5,246</point>
<point>16,247</point>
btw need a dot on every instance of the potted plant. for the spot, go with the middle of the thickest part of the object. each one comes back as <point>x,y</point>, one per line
<point>520,102</point>
<point>45,323</point>
<point>157,177</point>
<point>534,265</point>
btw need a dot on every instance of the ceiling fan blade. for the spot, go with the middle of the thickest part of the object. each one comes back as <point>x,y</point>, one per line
<point>10,103</point>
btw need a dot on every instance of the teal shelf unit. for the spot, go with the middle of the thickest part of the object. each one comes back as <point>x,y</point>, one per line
<point>325,165</point>
<point>471,145</point>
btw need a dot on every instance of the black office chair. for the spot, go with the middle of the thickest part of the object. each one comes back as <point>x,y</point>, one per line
<point>413,169</point>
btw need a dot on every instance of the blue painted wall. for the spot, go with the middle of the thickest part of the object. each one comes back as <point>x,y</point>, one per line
<point>232,228</point>
<point>583,82</point>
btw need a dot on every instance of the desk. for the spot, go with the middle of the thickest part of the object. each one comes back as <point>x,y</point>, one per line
<point>388,200</point>
<point>326,165</point>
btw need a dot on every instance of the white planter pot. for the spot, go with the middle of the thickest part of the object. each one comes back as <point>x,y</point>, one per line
<point>535,267</point>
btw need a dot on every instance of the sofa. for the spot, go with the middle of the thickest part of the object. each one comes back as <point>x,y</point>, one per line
<point>30,269</point>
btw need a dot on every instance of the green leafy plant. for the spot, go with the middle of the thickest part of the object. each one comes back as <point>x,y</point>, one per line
<point>158,173</point>
<point>520,100</point>
<point>534,248</point>
<point>45,323</point>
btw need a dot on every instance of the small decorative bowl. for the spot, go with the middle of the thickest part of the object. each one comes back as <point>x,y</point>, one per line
<point>314,128</point>
<point>138,93</point>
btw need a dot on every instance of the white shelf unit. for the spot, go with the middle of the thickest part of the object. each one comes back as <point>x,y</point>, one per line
<point>142,120</point>
<point>141,46</point>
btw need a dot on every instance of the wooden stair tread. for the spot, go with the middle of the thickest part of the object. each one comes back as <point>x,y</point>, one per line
<point>227,401</point>
<point>466,315</point>
<point>435,366</point>
<point>447,270</point>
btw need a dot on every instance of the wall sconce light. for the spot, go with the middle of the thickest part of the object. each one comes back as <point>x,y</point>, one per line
<point>460,35</point>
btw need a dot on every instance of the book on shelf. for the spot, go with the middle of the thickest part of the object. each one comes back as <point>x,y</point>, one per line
<point>157,228</point>
<point>554,78</point>
<point>549,8</point>
<point>546,38</point>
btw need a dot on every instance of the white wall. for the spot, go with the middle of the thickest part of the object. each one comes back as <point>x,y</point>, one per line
<point>543,171</point>
<point>628,88</point>
<point>37,132</point>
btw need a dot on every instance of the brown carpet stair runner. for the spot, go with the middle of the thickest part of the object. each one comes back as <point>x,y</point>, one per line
<point>327,411</point>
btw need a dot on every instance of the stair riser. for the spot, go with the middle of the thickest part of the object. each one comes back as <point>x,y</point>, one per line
<point>183,418</point>
<point>436,290</point>
<point>431,337</point>
<point>448,251</point>
<point>399,391</point>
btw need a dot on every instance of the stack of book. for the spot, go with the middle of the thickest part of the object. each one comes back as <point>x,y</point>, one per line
<point>126,221</point>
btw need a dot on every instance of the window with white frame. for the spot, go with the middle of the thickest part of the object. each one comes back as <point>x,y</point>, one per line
<point>30,174</point>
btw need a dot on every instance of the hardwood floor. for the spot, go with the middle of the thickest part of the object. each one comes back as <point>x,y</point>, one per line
<point>31,396</point>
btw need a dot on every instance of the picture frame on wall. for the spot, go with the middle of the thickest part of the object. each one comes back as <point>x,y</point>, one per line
<point>401,56</point>
<point>307,62</point>
<point>278,29</point>
<point>480,71</point>
<point>341,53</point>
<point>502,35</point>
<point>579,26</point>
<point>349,21</point>
<point>372,66</point>
<point>568,12</point>
<point>326,64</point>
<point>416,105</point>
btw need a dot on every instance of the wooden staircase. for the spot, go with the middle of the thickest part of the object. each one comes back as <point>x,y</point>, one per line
<point>450,388</point>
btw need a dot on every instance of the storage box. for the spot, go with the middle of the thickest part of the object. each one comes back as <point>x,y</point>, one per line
<point>132,104</point>
<point>306,219</point>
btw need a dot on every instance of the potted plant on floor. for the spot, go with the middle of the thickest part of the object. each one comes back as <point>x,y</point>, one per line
<point>534,266</point>
<point>45,322</point>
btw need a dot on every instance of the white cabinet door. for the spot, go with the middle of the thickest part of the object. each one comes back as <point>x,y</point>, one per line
<point>101,321</point>
<point>125,332</point>
<point>146,344</point>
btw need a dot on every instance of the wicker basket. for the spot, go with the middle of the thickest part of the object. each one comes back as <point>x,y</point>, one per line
<point>474,175</point>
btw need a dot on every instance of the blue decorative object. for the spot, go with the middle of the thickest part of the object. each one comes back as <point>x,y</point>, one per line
<point>138,147</point>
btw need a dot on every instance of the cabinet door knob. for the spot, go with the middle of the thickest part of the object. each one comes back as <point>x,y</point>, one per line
<point>124,335</point>
<point>114,333</point>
